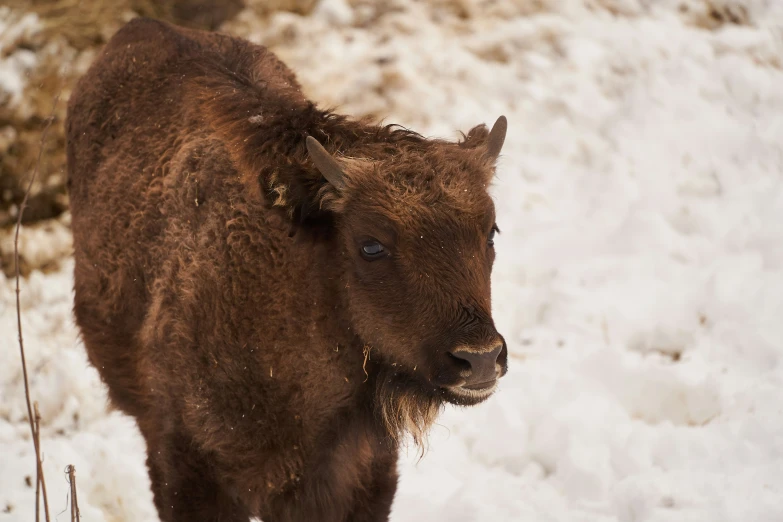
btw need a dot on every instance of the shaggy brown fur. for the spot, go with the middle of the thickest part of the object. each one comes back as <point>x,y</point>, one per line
<point>223,294</point>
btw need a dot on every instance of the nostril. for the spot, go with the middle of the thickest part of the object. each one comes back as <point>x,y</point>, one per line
<point>463,364</point>
<point>481,363</point>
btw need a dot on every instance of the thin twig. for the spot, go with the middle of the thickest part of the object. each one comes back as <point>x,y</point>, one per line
<point>75,515</point>
<point>37,442</point>
<point>31,418</point>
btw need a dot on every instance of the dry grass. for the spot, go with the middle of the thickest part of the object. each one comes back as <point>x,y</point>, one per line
<point>265,7</point>
<point>21,126</point>
<point>88,23</point>
<point>714,14</point>
<point>70,34</point>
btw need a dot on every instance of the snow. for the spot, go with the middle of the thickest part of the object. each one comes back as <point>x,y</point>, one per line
<point>14,62</point>
<point>639,277</point>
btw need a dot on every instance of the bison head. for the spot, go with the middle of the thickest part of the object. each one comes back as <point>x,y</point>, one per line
<point>417,227</point>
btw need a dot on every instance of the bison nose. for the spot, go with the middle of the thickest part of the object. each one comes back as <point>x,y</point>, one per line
<point>483,364</point>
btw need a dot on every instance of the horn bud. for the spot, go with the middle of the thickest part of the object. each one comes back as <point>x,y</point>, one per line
<point>496,137</point>
<point>325,163</point>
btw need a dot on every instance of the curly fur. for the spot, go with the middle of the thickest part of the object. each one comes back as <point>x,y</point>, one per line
<point>238,348</point>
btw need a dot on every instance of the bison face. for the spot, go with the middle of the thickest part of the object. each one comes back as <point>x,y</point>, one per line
<point>417,227</point>
<point>419,293</point>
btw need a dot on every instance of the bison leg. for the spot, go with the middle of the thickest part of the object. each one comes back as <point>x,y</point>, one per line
<point>373,504</point>
<point>184,484</point>
<point>111,349</point>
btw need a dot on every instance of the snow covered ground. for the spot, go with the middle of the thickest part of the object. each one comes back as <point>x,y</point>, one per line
<point>639,277</point>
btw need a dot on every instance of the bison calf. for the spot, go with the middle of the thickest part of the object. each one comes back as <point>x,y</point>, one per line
<point>277,293</point>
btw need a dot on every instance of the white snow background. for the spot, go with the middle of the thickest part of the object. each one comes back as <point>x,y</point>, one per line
<point>638,281</point>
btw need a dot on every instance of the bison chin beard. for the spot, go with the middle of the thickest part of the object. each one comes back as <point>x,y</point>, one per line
<point>406,406</point>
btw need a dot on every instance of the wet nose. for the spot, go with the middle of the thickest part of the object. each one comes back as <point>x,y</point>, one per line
<point>483,369</point>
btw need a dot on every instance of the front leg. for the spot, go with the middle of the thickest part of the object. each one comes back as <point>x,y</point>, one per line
<point>373,503</point>
<point>184,485</point>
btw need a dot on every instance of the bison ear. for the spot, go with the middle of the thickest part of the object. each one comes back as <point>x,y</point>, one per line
<point>326,164</point>
<point>496,138</point>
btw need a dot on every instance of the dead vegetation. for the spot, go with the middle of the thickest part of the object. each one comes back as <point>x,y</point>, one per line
<point>714,14</point>
<point>88,23</point>
<point>54,53</point>
<point>52,43</point>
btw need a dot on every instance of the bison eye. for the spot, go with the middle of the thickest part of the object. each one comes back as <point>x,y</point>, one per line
<point>372,250</point>
<point>491,239</point>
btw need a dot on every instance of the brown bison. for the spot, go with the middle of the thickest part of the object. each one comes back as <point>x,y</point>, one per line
<point>277,293</point>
